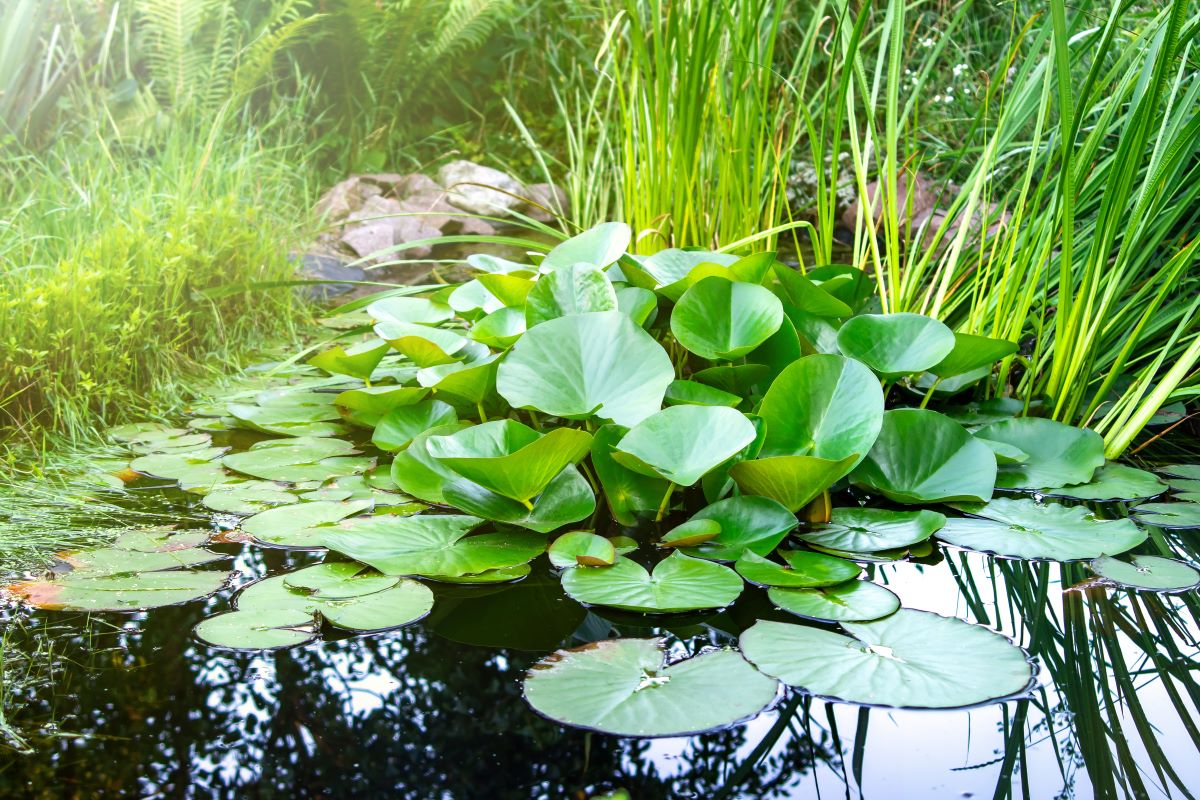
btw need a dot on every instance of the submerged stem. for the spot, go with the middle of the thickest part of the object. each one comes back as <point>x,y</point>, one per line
<point>666,502</point>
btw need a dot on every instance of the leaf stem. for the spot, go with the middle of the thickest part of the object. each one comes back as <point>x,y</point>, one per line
<point>666,502</point>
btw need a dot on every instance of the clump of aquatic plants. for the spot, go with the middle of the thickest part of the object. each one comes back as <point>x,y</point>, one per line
<point>667,431</point>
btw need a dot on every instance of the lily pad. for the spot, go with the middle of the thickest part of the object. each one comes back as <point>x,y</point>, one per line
<point>463,384</point>
<point>872,530</point>
<point>194,469</point>
<point>337,580</point>
<point>366,405</point>
<point>136,592</point>
<point>923,457</point>
<point>1058,454</point>
<point>599,364</point>
<point>289,420</point>
<point>911,659</point>
<point>269,629</point>
<point>574,289</point>
<point>757,524</point>
<point>793,481</point>
<point>1029,530</point>
<point>297,460</point>
<point>397,428</point>
<point>105,561</point>
<point>803,570</point>
<point>358,360</point>
<point>501,328</point>
<point>690,533</point>
<point>852,601</point>
<point>599,246</point>
<point>302,525</point>
<point>423,345</point>
<point>970,353</point>
<point>1168,515</point>
<point>1189,471</point>
<point>682,443</point>
<point>1149,573</point>
<point>568,498</point>
<point>667,270</point>
<point>691,393</point>
<point>1113,482</point>
<point>628,493</point>
<point>678,583</point>
<point>248,498</point>
<point>807,296</point>
<point>895,345</point>
<point>626,687</point>
<point>639,304</point>
<point>421,310</point>
<point>582,548</point>
<point>720,319</point>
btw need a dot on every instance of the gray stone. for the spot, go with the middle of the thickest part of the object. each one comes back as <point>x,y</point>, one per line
<point>341,200</point>
<point>543,202</point>
<point>365,238</point>
<point>432,209</point>
<point>475,226</point>
<point>473,188</point>
<point>923,199</point>
<point>417,184</point>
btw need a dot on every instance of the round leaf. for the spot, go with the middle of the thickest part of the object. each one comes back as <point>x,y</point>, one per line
<point>871,530</point>
<point>582,548</point>
<point>895,345</point>
<point>678,583</point>
<point>1169,515</point>
<point>1113,482</point>
<point>720,319</point>
<point>794,481</point>
<point>301,525</point>
<point>804,570</point>
<point>757,524</point>
<point>682,443</point>
<point>1150,573</point>
<point>574,289</point>
<point>1058,454</point>
<point>271,629</point>
<point>852,601</point>
<point>1026,529</point>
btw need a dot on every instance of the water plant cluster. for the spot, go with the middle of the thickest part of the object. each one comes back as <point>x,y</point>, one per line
<point>664,433</point>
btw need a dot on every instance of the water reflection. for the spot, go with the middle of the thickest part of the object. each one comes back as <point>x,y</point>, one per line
<point>435,710</point>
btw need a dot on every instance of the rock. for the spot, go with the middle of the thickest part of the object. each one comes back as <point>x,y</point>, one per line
<point>365,238</point>
<point>802,186</point>
<point>474,226</point>
<point>384,222</point>
<point>433,209</point>
<point>341,200</point>
<point>924,197</point>
<point>541,200</point>
<point>468,187</point>
<point>418,184</point>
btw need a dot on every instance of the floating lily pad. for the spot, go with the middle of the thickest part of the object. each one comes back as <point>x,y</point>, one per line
<point>573,289</point>
<point>510,289</point>
<point>399,427</point>
<point>119,561</point>
<point>172,444</point>
<point>871,530</point>
<point>302,525</point>
<point>366,405</point>
<point>1113,482</point>
<point>1168,515</point>
<point>852,601</point>
<point>248,498</point>
<point>1149,573</point>
<point>807,296</point>
<point>720,319</point>
<point>409,309</point>
<point>289,420</point>
<point>1189,471</point>
<point>270,629</point>
<point>599,364</point>
<point>432,545</point>
<point>1058,454</point>
<point>802,569</point>
<point>423,345</point>
<point>136,431</point>
<point>757,524</point>
<point>682,443</point>
<point>667,270</point>
<point>895,345</point>
<point>501,328</point>
<point>924,457</point>
<point>192,469</point>
<point>159,540</point>
<point>463,384</point>
<point>136,592</point>
<point>678,583</point>
<point>337,580</point>
<point>582,548</point>
<point>1026,529</point>
<point>911,659</point>
<point>985,412</point>
<point>1005,453</point>
<point>626,687</point>
<point>793,481</point>
<point>690,533</point>
<point>488,576</point>
<point>299,460</point>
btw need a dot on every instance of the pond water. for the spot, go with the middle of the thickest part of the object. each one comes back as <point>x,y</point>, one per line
<point>136,707</point>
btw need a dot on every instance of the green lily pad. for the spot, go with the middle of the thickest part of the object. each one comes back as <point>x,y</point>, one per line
<point>432,545</point>
<point>719,319</point>
<point>189,442</point>
<point>501,328</point>
<point>125,592</point>
<point>302,525</point>
<point>637,303</point>
<point>269,629</point>
<point>488,576</point>
<point>691,393</point>
<point>793,481</point>
<point>690,533</point>
<point>682,443</point>
<point>464,384</point>
<point>599,364</point>
<point>852,601</point>
<point>1113,482</point>
<point>289,420</point>
<point>628,493</point>
<point>985,412</point>
<point>1148,573</point>
<point>397,428</point>
<point>911,659</point>
<point>419,474</point>
<point>194,469</point>
<point>825,406</point>
<point>872,530</point>
<point>678,583</point>
<point>105,561</point>
<point>804,294</point>
<point>1026,529</point>
<point>923,457</point>
<point>626,687</point>
<point>568,498</point>
<point>420,310</point>
<point>296,460</point>
<point>358,360</point>
<point>598,246</point>
<point>739,379</point>
<point>1058,454</point>
<point>971,353</point>
<point>472,300</point>
<point>1189,471</point>
<point>247,498</point>
<point>895,345</point>
<point>803,570</point>
<point>1168,515</point>
<point>367,405</point>
<point>757,524</point>
<point>423,345</point>
<point>337,580</point>
<point>667,270</point>
<point>582,548</point>
<point>509,458</point>
<point>1183,485</point>
<point>143,431</point>
<point>509,289</point>
<point>159,540</point>
<point>572,289</point>
<point>1005,453</point>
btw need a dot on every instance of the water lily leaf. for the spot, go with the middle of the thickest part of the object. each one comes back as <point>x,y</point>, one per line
<point>159,540</point>
<point>851,285</point>
<point>488,576</point>
<point>124,592</point>
<point>599,246</point>
<point>626,687</point>
<point>485,262</point>
<point>852,601</point>
<point>573,289</point>
<point>1189,471</point>
<point>182,443</point>
<point>432,545</point>
<point>637,303</point>
<point>1113,482</point>
<point>667,270</point>
<point>1005,453</point>
<point>509,458</point>
<point>193,469</point>
<point>757,524</point>
<point>337,580</point>
<point>366,406</point>
<point>358,360</point>
<point>582,548</point>
<point>924,457</point>
<point>144,432</point>
<point>825,406</point>
<point>1148,573</point>
<point>423,345</point>
<point>301,525</point>
<point>420,310</point>
<point>691,393</point>
<point>296,460</point>
<point>1058,454</point>
<point>247,498</point>
<point>803,570</point>
<point>1183,485</point>
<point>270,629</point>
<point>717,319</point>
<point>985,412</point>
<point>1026,529</point>
<point>464,384</point>
<point>500,328</point>
<point>568,498</point>
<point>911,659</point>
<point>690,533</point>
<point>739,379</point>
<point>678,583</point>
<point>627,493</point>
<point>289,420</point>
<point>794,481</point>
<point>971,353</point>
<point>804,294</point>
<point>472,300</point>
<point>895,345</point>
<point>419,474</point>
<point>682,443</point>
<point>106,561</point>
<point>397,428</point>
<point>509,289</point>
<point>586,365</point>
<point>871,530</point>
<point>1168,515</point>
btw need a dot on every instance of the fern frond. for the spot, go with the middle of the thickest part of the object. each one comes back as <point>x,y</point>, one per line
<point>257,60</point>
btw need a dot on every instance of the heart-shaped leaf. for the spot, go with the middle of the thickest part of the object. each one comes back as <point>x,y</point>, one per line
<point>501,328</point>
<point>1113,482</point>
<point>599,246</point>
<point>423,345</point>
<point>798,290</point>
<point>628,493</point>
<point>871,530</point>
<point>366,405</point>
<point>574,289</point>
<point>247,498</point>
<point>718,319</point>
<point>637,303</point>
<point>122,592</point>
<point>466,384</point>
<point>1058,454</point>
<point>757,524</point>
<point>1148,573</point>
<point>1168,515</point>
<point>300,459</point>
<point>397,428</point>
<point>895,345</point>
<point>682,443</point>
<point>1029,530</point>
<point>971,353</point>
<point>420,310</point>
<point>690,533</point>
<point>678,583</point>
<point>793,481</point>
<point>852,601</point>
<point>568,498</point>
<point>803,570</point>
<point>582,548</point>
<point>358,360</point>
<point>302,525</point>
<point>691,393</point>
